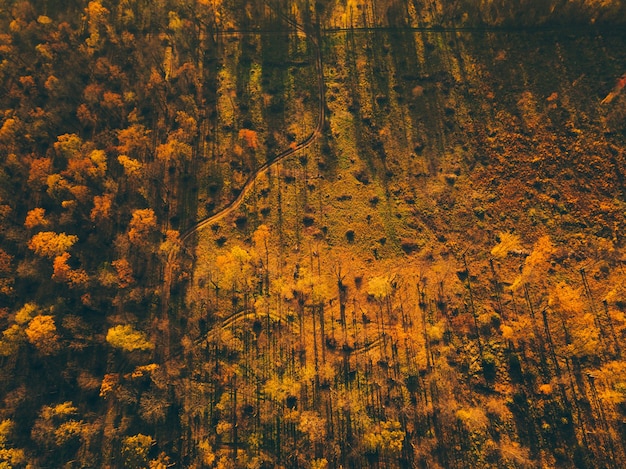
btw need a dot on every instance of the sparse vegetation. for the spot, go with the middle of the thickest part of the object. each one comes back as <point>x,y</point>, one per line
<point>312,234</point>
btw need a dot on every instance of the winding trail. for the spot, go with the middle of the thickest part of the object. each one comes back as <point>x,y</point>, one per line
<point>250,182</point>
<point>308,141</point>
<point>247,315</point>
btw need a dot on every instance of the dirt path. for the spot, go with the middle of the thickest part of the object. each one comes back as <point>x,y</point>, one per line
<point>250,182</point>
<point>308,141</point>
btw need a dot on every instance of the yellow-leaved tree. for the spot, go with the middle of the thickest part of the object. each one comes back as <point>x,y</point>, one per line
<point>126,337</point>
<point>508,242</point>
<point>135,450</point>
<point>386,438</point>
<point>536,264</point>
<point>9,457</point>
<point>42,333</point>
<point>57,425</point>
<point>132,167</point>
<point>380,287</point>
<point>313,426</point>
<point>235,268</point>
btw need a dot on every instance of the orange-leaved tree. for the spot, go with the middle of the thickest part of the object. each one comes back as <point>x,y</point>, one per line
<point>142,224</point>
<point>36,217</point>
<point>51,244</point>
<point>42,333</point>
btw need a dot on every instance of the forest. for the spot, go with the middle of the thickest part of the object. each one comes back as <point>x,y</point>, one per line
<point>313,234</point>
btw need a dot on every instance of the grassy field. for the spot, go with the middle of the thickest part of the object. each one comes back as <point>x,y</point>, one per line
<point>393,277</point>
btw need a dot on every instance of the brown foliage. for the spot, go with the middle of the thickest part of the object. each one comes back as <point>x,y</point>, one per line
<point>40,169</point>
<point>101,210</point>
<point>124,272</point>
<point>250,138</point>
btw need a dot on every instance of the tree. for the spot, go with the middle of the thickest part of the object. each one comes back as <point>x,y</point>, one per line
<point>124,272</point>
<point>386,438</point>
<point>98,164</point>
<point>58,186</point>
<point>6,273</point>
<point>135,450</point>
<point>109,384</point>
<point>26,313</point>
<point>236,270</point>
<point>536,263</point>
<point>68,146</point>
<point>250,138</point>
<point>260,238</point>
<point>36,217</point>
<point>508,242</point>
<point>380,287</point>
<point>60,269</point>
<point>142,224</point>
<point>132,168</point>
<point>134,142</point>
<point>50,244</point>
<point>9,457</point>
<point>188,127</point>
<point>56,425</point>
<point>96,21</point>
<point>171,245</point>
<point>62,272</point>
<point>12,339</point>
<point>174,151</point>
<point>40,169</point>
<point>313,426</point>
<point>617,294</point>
<point>101,210</point>
<point>162,462</point>
<point>153,407</point>
<point>127,338</point>
<point>42,333</point>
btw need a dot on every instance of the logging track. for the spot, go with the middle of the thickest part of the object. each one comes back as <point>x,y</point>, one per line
<point>250,182</point>
<point>308,141</point>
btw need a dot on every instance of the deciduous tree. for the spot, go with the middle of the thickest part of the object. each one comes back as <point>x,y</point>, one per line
<point>135,450</point>
<point>12,338</point>
<point>42,333</point>
<point>6,273</point>
<point>142,224</point>
<point>536,263</point>
<point>9,457</point>
<point>101,210</point>
<point>508,242</point>
<point>36,217</point>
<point>127,338</point>
<point>62,272</point>
<point>124,272</point>
<point>51,244</point>
<point>40,169</point>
